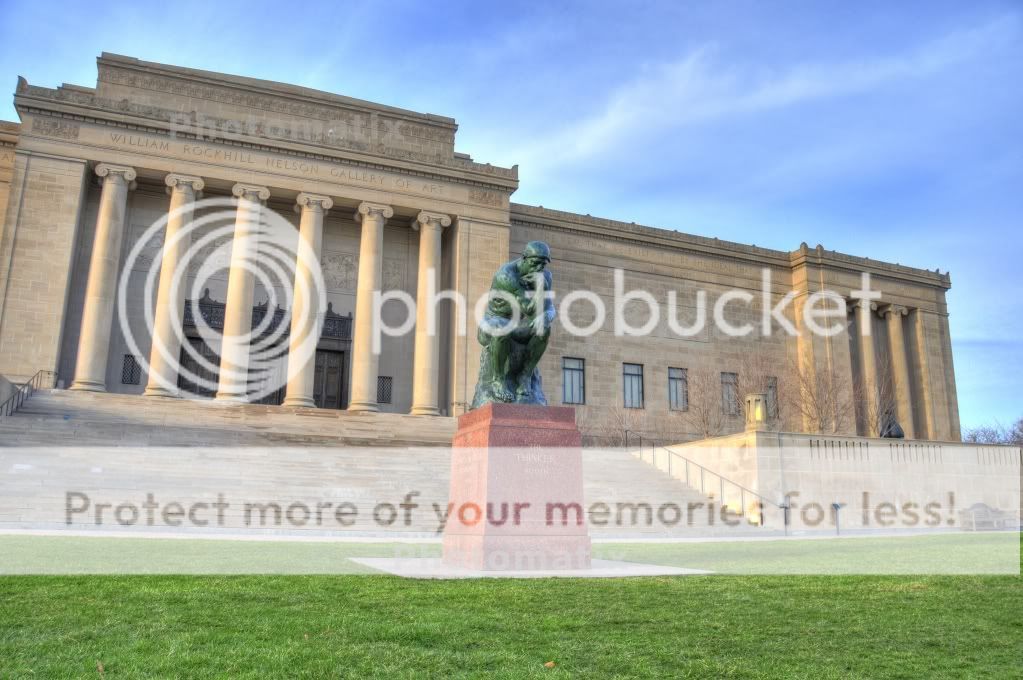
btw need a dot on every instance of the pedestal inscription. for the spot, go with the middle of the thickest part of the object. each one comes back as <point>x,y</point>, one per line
<point>517,490</point>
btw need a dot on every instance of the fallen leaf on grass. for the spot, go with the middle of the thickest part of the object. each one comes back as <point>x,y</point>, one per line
<point>549,664</point>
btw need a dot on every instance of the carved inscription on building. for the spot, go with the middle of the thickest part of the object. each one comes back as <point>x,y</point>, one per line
<point>486,197</point>
<point>323,170</point>
<point>55,128</point>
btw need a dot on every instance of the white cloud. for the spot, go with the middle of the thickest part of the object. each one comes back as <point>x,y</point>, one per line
<point>700,88</point>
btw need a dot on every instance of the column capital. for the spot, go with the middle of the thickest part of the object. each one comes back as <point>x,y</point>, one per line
<point>109,172</point>
<point>860,303</point>
<point>182,182</point>
<point>253,192</point>
<point>367,209</point>
<point>314,202</point>
<point>894,311</point>
<point>424,218</point>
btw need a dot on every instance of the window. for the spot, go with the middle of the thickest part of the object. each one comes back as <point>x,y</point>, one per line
<point>678,389</point>
<point>573,378</point>
<point>131,371</point>
<point>772,397</point>
<point>632,375</point>
<point>385,383</point>
<point>730,394</point>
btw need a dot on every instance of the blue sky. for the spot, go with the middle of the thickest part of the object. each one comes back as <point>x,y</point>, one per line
<point>891,130</point>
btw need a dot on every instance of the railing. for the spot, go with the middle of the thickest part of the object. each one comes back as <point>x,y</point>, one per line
<point>211,311</point>
<point>259,313</point>
<point>335,326</point>
<point>696,476</point>
<point>41,380</point>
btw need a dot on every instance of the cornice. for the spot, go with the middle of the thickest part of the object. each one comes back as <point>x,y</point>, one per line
<point>832,259</point>
<point>486,188</point>
<point>267,95</point>
<point>637,234</point>
<point>9,133</point>
<point>83,104</point>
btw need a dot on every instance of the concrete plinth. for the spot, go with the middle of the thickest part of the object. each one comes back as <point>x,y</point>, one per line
<point>516,500</point>
<point>431,568</point>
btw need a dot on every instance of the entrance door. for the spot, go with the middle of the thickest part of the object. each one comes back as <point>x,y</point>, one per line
<point>328,378</point>
<point>206,385</point>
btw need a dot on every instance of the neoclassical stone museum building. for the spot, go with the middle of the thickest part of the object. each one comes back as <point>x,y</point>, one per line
<point>385,197</point>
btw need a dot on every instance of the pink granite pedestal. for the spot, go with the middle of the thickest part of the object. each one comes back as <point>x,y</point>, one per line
<point>516,498</point>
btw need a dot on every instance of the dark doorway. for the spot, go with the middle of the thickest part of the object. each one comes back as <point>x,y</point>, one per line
<point>329,379</point>
<point>208,379</point>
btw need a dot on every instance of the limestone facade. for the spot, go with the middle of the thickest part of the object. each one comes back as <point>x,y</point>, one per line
<point>88,170</point>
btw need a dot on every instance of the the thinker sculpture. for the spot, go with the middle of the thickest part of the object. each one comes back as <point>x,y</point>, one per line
<point>515,330</point>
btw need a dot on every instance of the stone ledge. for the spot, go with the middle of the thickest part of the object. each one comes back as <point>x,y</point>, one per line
<point>434,568</point>
<point>659,236</point>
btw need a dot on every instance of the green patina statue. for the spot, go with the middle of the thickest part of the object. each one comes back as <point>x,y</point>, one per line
<point>515,330</point>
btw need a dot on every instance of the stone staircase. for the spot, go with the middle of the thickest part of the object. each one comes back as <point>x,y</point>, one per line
<point>65,417</point>
<point>117,449</point>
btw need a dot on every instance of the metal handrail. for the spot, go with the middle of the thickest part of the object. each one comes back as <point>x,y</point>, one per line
<point>638,435</point>
<point>703,471</point>
<point>743,489</point>
<point>36,382</point>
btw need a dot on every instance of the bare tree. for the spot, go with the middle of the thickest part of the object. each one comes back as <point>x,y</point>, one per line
<point>878,401</point>
<point>706,413</point>
<point>759,374</point>
<point>821,397</point>
<point>995,434</point>
<point>608,426</point>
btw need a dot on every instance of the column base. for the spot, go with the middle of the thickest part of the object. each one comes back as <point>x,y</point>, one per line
<point>424,411</point>
<point>364,406</point>
<point>302,402</point>
<point>161,392</point>
<point>88,386</point>
<point>231,398</point>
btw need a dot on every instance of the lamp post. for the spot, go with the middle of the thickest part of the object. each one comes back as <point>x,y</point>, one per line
<point>756,411</point>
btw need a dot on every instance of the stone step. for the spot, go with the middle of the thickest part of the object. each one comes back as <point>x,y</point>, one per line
<point>255,453</point>
<point>133,420</point>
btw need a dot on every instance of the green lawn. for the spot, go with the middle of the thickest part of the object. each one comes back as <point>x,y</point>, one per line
<point>371,625</point>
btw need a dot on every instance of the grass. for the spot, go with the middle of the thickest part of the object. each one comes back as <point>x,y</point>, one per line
<point>381,626</point>
<point>952,553</point>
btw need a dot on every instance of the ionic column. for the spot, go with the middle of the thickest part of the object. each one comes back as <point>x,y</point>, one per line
<point>366,363</point>
<point>305,308</point>
<point>234,349</point>
<point>425,394</point>
<point>101,288</point>
<point>868,362</point>
<point>170,297</point>
<point>900,368</point>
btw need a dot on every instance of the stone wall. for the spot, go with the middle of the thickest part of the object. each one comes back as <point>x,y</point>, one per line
<point>587,250</point>
<point>35,261</point>
<point>832,469</point>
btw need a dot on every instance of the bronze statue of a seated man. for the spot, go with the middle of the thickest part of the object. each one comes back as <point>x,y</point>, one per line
<point>515,330</point>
